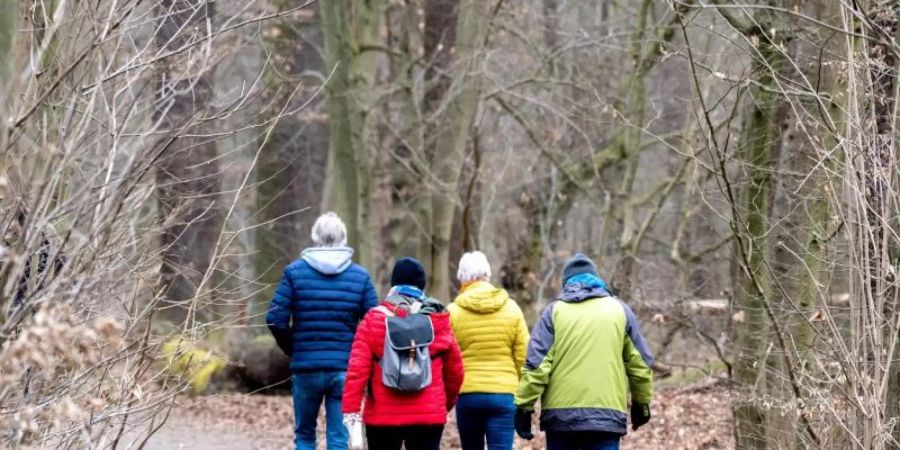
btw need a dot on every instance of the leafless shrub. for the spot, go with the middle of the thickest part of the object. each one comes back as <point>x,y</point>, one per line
<point>810,181</point>
<point>110,103</point>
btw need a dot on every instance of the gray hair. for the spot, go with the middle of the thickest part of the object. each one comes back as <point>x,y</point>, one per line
<point>473,266</point>
<point>329,231</point>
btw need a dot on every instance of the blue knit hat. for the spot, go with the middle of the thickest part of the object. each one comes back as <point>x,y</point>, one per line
<point>578,265</point>
<point>408,271</point>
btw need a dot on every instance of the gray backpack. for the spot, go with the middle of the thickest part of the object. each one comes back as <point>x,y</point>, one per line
<point>406,364</point>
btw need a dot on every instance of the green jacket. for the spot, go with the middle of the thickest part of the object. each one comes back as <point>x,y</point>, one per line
<point>586,353</point>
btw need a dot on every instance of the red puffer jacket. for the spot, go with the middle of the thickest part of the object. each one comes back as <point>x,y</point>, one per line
<point>388,407</point>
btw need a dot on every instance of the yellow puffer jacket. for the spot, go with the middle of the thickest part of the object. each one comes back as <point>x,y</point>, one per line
<point>493,337</point>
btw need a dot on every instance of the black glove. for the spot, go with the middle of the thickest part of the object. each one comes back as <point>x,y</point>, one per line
<point>523,424</point>
<point>640,415</point>
<point>283,339</point>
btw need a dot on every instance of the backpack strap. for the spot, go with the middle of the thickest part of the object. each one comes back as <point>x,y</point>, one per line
<point>385,310</point>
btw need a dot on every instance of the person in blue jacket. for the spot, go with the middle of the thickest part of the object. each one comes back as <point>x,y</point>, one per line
<point>313,316</point>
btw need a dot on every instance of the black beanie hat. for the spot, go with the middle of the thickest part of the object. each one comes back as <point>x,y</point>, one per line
<point>410,272</point>
<point>578,265</point>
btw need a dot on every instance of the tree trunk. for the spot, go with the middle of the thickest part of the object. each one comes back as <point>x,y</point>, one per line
<point>451,140</point>
<point>879,175</point>
<point>439,46</point>
<point>405,233</point>
<point>344,121</point>
<point>759,134</point>
<point>799,217</point>
<point>291,166</point>
<point>802,210</point>
<point>187,176</point>
<point>349,27</point>
<point>467,216</point>
<point>9,12</point>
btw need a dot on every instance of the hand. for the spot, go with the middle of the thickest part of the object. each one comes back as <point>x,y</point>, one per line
<point>640,415</point>
<point>523,424</point>
<point>283,340</point>
<point>353,422</point>
<point>286,349</point>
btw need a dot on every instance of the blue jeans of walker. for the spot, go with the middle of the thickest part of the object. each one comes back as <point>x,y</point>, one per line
<point>309,389</point>
<point>486,417</point>
<point>582,440</point>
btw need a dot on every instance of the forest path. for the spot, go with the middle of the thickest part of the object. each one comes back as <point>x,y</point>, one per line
<point>688,418</point>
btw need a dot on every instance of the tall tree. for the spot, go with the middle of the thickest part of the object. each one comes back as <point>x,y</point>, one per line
<point>879,174</point>
<point>547,204</point>
<point>751,221</point>
<point>441,114</point>
<point>451,132</point>
<point>423,97</point>
<point>779,219</point>
<point>187,176</point>
<point>9,12</point>
<point>351,33</point>
<point>291,165</point>
<point>404,233</point>
<point>801,210</point>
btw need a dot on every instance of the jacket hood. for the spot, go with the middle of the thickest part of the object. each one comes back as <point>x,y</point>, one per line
<point>328,260</point>
<point>584,287</point>
<point>482,297</point>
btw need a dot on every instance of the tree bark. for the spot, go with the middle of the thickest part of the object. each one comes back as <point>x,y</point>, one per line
<point>802,210</point>
<point>187,176</point>
<point>756,148</point>
<point>351,26</point>
<point>406,234</point>
<point>9,13</point>
<point>439,46</point>
<point>451,140</point>
<point>879,176</point>
<point>439,42</point>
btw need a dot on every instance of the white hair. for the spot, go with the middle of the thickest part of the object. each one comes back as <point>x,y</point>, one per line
<point>329,231</point>
<point>473,266</point>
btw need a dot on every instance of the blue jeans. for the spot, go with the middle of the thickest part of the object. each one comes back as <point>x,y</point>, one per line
<point>309,390</point>
<point>582,440</point>
<point>488,417</point>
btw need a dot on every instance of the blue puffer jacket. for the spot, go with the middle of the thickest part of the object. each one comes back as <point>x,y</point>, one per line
<point>318,303</point>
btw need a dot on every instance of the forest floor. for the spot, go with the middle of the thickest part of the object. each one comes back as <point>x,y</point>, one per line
<point>697,417</point>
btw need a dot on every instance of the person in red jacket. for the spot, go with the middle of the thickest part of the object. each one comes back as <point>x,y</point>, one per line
<point>393,418</point>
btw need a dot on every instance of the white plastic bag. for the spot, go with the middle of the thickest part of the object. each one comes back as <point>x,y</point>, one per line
<point>354,425</point>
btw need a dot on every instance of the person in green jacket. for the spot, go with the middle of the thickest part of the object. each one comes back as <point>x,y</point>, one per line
<point>585,355</point>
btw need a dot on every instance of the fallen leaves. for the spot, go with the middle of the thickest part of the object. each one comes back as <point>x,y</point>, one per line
<point>687,418</point>
<point>691,418</point>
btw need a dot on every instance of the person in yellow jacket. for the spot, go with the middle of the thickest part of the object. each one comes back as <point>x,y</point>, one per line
<point>493,337</point>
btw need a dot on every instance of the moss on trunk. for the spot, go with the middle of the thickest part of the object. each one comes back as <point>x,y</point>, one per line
<point>751,332</point>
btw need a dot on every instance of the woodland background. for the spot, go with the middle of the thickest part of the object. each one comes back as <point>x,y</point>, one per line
<point>731,164</point>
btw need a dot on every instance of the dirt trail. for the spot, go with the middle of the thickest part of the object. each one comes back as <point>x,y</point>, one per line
<point>689,418</point>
